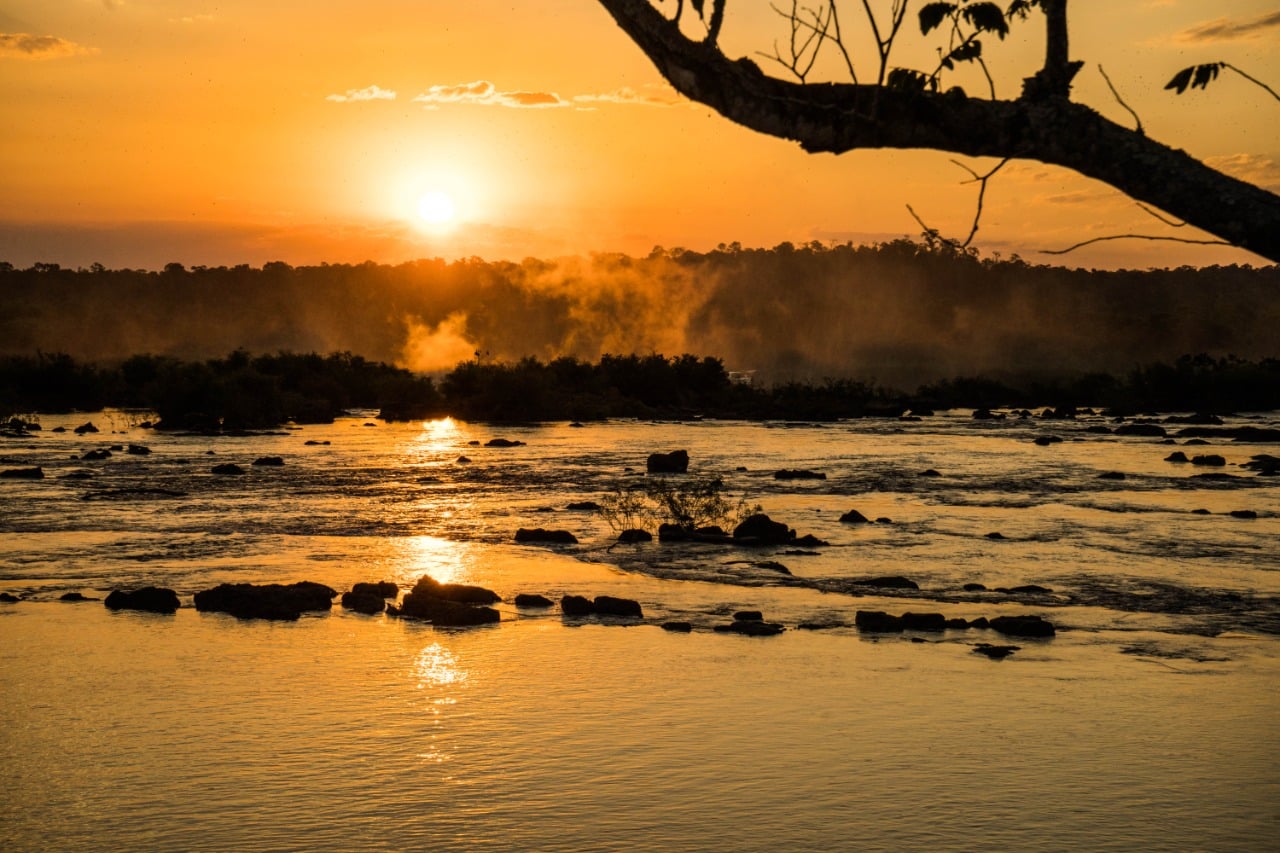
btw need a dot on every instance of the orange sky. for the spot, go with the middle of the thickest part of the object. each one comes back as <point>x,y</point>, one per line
<point>145,131</point>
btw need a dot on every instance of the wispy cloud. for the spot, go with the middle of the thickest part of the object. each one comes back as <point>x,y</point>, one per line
<point>1225,29</point>
<point>369,93</point>
<point>193,19</point>
<point>485,93</point>
<point>27,46</point>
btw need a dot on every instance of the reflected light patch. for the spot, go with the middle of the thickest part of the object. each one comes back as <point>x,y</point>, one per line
<point>436,666</point>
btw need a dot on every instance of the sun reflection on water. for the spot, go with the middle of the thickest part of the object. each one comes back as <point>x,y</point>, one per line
<point>436,666</point>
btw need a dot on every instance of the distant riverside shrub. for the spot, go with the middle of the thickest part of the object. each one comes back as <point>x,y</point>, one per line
<point>688,502</point>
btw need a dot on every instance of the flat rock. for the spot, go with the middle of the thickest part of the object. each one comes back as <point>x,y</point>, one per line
<point>460,593</point>
<point>36,473</point>
<point>1023,626</point>
<point>887,582</point>
<point>152,599</point>
<point>283,602</point>
<point>607,605</point>
<point>538,534</point>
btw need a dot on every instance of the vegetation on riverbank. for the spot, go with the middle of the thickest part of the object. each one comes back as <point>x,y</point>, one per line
<point>245,391</point>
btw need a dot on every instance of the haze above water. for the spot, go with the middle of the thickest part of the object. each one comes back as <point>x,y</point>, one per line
<point>1148,722</point>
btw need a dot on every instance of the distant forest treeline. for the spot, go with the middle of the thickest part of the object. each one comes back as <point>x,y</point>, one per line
<point>899,314</point>
<point>244,391</point>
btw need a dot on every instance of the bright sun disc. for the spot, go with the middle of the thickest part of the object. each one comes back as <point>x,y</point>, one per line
<point>436,207</point>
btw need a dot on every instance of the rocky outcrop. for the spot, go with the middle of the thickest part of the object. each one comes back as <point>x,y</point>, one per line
<point>538,534</point>
<point>675,462</point>
<point>364,602</point>
<point>457,592</point>
<point>503,442</point>
<point>762,530</point>
<point>888,582</point>
<point>152,599</point>
<point>877,622</point>
<point>227,468</point>
<point>635,534</point>
<point>576,605</point>
<point>1023,626</point>
<point>525,599</point>
<point>36,473</point>
<point>583,506</point>
<point>678,627</point>
<point>281,602</point>
<point>269,461</point>
<point>445,614</point>
<point>608,605</point>
<point>1145,430</point>
<point>854,517</point>
<point>603,605</point>
<point>995,652</point>
<point>751,628</point>
<point>798,474</point>
<point>382,589</point>
<point>1212,460</point>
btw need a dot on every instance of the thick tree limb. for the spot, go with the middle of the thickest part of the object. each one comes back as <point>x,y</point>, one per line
<point>837,117</point>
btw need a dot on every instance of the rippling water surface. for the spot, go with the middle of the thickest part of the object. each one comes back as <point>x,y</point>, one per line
<point>1148,722</point>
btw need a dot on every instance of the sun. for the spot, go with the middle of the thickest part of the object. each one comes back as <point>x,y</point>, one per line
<point>436,207</point>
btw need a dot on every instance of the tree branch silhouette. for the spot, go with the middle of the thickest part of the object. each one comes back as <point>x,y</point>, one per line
<point>1043,124</point>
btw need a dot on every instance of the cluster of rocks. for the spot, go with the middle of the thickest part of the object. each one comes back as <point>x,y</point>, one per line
<point>879,622</point>
<point>448,604</point>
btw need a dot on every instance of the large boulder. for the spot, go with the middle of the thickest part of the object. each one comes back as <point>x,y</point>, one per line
<point>528,599</point>
<point>281,602</point>
<point>877,622</point>
<point>761,529</point>
<point>576,605</point>
<point>1023,626</point>
<point>924,622</point>
<point>364,602</point>
<point>635,534</point>
<point>36,473</point>
<point>537,534</point>
<point>750,628</point>
<point>446,614</point>
<point>1146,430</point>
<point>382,589</point>
<point>854,517</point>
<point>675,462</point>
<point>153,599</point>
<point>460,593</point>
<point>607,605</point>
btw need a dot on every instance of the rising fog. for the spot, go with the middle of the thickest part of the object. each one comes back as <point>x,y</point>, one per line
<point>896,314</point>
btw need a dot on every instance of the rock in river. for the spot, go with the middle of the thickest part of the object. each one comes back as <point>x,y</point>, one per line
<point>675,462</point>
<point>285,602</point>
<point>537,534</point>
<point>153,599</point>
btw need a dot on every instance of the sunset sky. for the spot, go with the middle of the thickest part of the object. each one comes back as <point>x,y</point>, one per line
<point>140,132</point>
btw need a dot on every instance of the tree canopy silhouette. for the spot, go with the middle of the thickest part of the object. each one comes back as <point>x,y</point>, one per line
<point>907,108</point>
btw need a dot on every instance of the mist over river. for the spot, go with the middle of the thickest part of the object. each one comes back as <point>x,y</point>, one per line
<point>1147,722</point>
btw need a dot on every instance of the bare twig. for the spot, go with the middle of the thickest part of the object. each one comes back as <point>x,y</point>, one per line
<point>1253,80</point>
<point>1135,237</point>
<point>884,44</point>
<point>982,193</point>
<point>1173,223</point>
<point>1120,101</point>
